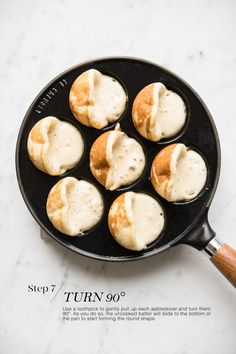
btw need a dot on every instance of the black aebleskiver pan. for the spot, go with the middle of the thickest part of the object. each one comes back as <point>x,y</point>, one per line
<point>186,223</point>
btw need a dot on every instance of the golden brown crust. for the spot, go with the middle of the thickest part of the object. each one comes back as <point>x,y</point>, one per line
<point>142,109</point>
<point>54,200</point>
<point>79,98</point>
<point>98,161</point>
<point>57,221</point>
<point>36,135</point>
<point>55,205</point>
<point>35,144</point>
<point>117,217</point>
<point>161,170</point>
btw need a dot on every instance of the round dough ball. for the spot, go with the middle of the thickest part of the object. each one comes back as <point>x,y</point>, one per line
<point>135,220</point>
<point>74,206</point>
<point>116,159</point>
<point>54,146</point>
<point>96,99</point>
<point>158,113</point>
<point>178,173</point>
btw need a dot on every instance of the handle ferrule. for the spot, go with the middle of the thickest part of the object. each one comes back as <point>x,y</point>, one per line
<point>212,247</point>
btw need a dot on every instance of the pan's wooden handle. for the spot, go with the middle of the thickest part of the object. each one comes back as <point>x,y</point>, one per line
<point>225,260</point>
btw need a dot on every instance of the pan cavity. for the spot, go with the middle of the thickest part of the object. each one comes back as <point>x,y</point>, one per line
<point>96,99</point>
<point>74,206</point>
<point>136,220</point>
<point>116,159</point>
<point>178,173</point>
<point>158,113</point>
<point>55,146</point>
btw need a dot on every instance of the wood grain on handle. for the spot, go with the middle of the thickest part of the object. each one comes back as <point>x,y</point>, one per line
<point>225,260</point>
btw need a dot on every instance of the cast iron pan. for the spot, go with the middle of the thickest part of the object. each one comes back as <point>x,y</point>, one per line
<point>186,222</point>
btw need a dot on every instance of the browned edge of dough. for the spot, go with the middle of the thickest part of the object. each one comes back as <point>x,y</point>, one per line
<point>161,169</point>
<point>142,109</point>
<point>119,219</point>
<point>98,162</point>
<point>81,89</point>
<point>55,202</point>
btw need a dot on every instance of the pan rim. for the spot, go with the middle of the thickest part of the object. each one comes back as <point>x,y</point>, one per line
<point>140,255</point>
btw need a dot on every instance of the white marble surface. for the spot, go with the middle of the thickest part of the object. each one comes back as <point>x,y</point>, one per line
<point>39,39</point>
